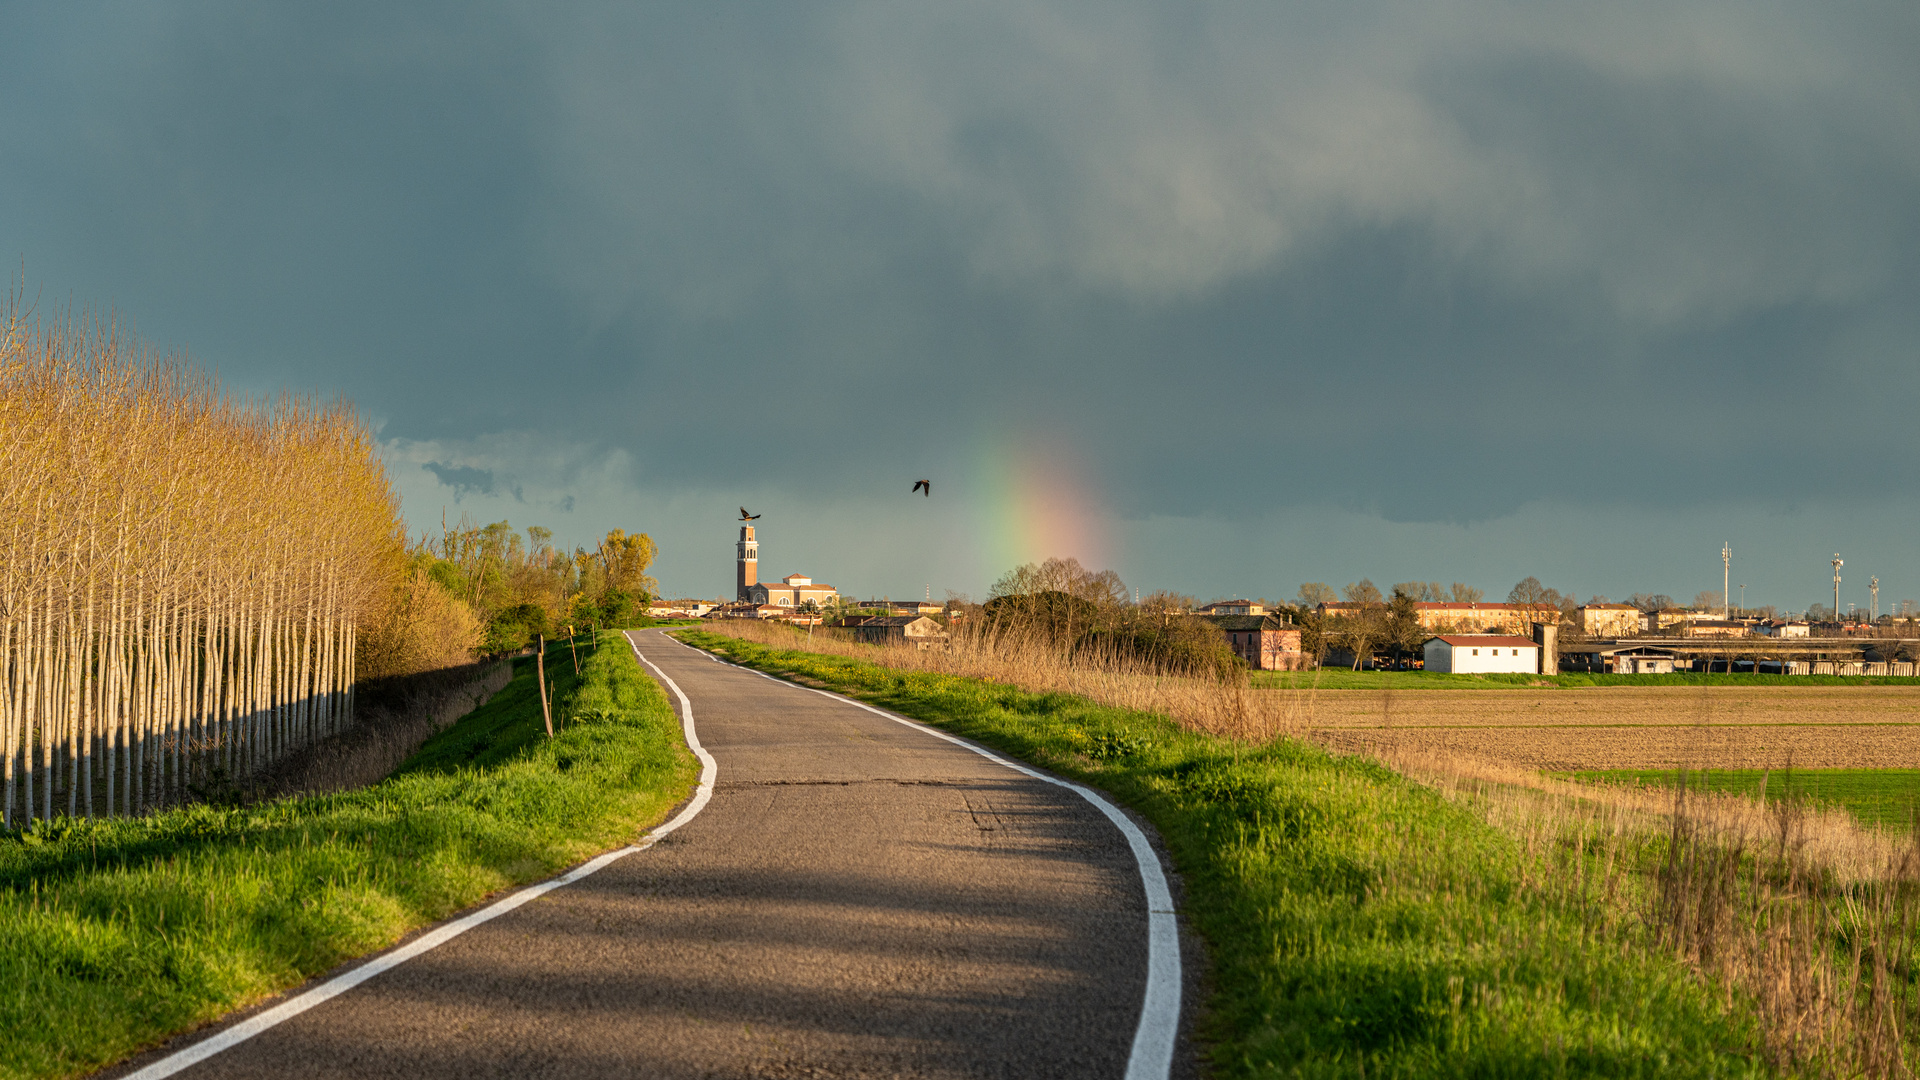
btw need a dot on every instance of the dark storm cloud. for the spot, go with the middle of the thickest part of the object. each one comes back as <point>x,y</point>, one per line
<point>1425,262</point>
<point>461,478</point>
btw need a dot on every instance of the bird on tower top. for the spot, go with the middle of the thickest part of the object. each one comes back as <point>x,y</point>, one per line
<point>744,516</point>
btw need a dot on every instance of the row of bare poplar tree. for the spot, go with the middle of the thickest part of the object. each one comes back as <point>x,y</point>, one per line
<point>181,571</point>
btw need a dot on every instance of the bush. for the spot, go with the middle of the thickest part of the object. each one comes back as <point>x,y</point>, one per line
<point>423,628</point>
<point>1183,646</point>
<point>1051,615</point>
<point>517,627</point>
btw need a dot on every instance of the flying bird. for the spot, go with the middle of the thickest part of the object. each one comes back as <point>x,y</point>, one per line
<point>744,516</point>
<point>927,484</point>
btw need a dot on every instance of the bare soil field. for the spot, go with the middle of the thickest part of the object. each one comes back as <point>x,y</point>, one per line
<point>1632,727</point>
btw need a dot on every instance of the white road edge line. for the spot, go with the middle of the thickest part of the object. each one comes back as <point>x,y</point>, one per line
<point>294,1006</point>
<point>1152,1055</point>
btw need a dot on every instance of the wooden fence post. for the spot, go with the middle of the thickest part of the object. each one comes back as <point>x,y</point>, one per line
<point>540,673</point>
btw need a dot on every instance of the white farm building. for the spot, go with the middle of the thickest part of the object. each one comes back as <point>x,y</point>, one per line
<point>1482,653</point>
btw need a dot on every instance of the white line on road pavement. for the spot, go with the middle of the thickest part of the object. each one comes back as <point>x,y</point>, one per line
<point>340,984</point>
<point>1152,1055</point>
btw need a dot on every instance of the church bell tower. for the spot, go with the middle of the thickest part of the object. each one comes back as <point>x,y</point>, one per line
<point>746,563</point>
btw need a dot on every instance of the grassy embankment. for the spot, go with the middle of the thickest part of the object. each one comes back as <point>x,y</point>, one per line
<point>1881,798</point>
<point>114,934</point>
<point>1359,924</point>
<point>1346,679</point>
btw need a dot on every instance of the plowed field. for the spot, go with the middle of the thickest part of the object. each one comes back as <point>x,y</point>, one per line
<point>1634,727</point>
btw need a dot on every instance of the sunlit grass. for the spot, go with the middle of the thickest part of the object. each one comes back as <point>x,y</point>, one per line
<point>1358,923</point>
<point>114,934</point>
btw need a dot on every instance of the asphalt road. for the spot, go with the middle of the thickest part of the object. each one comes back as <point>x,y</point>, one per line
<point>859,898</point>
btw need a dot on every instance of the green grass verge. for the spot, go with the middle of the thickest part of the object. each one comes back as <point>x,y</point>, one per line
<point>1358,924</point>
<point>1346,679</point>
<point>115,934</point>
<point>1880,798</point>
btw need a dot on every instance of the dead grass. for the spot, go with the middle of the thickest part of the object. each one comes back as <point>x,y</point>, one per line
<point>1225,707</point>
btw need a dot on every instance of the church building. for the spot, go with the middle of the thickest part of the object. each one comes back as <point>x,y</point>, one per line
<point>793,590</point>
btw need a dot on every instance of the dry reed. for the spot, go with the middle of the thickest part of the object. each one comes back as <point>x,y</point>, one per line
<point>1223,706</point>
<point>182,573</point>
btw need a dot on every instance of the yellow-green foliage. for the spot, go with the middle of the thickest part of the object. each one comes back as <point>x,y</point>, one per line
<point>182,573</point>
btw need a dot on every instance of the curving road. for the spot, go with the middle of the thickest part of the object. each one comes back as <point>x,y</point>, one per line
<point>859,898</point>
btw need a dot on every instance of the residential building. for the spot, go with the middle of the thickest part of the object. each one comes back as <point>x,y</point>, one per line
<point>682,609</point>
<point>1233,607</point>
<point>747,611</point>
<point>1448,616</point>
<point>1482,654</point>
<point>1714,628</point>
<point>917,630</point>
<point>1607,620</point>
<point>1263,641</point>
<point>902,607</point>
<point>1781,629</point>
<point>1653,622</point>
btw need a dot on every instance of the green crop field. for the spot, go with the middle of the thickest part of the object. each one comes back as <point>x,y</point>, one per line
<point>1885,798</point>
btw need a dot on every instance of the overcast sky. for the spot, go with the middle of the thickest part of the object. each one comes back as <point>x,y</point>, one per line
<point>1227,297</point>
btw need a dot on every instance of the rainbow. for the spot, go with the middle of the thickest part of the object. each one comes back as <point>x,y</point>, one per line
<point>1039,502</point>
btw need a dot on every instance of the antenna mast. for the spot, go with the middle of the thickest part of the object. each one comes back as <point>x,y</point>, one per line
<point>1838,562</point>
<point>1726,578</point>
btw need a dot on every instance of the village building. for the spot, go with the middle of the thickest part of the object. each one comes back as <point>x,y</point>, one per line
<point>1602,658</point>
<point>917,630</point>
<point>1607,620</point>
<point>1263,641</point>
<point>1714,628</point>
<point>746,611</point>
<point>901,607</point>
<point>1233,607</point>
<point>1780,629</point>
<point>682,609</point>
<point>1449,616</point>
<point>1641,660</point>
<point>790,594</point>
<point>793,592</point>
<point>1482,654</point>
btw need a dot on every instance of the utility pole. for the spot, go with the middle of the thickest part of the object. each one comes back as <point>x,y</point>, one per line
<point>1726,579</point>
<point>1838,562</point>
<point>1743,601</point>
<point>1874,588</point>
